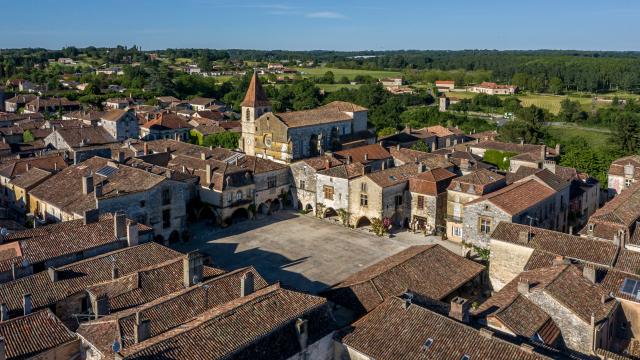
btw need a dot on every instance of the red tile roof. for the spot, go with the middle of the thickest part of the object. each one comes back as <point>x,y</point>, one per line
<point>255,96</point>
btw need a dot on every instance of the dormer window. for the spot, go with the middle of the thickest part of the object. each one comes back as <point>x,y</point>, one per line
<point>590,227</point>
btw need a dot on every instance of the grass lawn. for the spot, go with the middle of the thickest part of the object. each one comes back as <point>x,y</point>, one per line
<point>334,87</point>
<point>338,73</point>
<point>549,102</point>
<point>597,138</point>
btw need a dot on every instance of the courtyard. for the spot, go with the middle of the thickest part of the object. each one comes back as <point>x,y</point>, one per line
<point>300,251</point>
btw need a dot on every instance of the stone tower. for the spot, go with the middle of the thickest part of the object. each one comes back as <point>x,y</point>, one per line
<point>254,105</point>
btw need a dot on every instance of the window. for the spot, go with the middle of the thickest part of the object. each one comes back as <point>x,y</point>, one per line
<point>239,196</point>
<point>364,200</point>
<point>627,182</point>
<point>166,218</point>
<point>247,116</point>
<point>420,202</point>
<point>272,181</point>
<point>398,200</point>
<point>363,187</point>
<point>485,226</point>
<point>328,192</point>
<point>457,231</point>
<point>302,185</point>
<point>427,344</point>
<point>631,287</point>
<point>166,196</point>
<point>142,203</point>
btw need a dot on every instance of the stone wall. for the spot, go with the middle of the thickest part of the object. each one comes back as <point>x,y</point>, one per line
<point>374,197</point>
<point>301,172</point>
<point>430,210</point>
<point>506,261</point>
<point>471,222</point>
<point>340,192</point>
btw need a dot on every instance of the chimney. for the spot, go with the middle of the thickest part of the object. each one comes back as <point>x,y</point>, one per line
<point>27,305</point>
<point>203,156</point>
<point>208,174</point>
<point>91,216</point>
<point>141,329</point>
<point>486,333</point>
<point>3,349</point>
<point>115,272</point>
<point>53,274</point>
<point>524,237</point>
<point>302,332</point>
<point>459,309</point>
<point>97,191</point>
<point>420,167</point>
<point>133,238</point>
<point>145,149</point>
<point>589,273</point>
<point>557,149</point>
<point>560,260</point>
<point>102,307</point>
<point>192,265</point>
<point>119,225</point>
<point>543,152</point>
<point>14,271</point>
<point>327,163</point>
<point>28,166</point>
<point>366,157</point>
<point>348,159</point>
<point>87,184</point>
<point>246,284</point>
<point>523,287</point>
<point>4,312</point>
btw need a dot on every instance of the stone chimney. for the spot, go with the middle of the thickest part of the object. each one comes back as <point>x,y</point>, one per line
<point>246,284</point>
<point>119,225</point>
<point>208,174</point>
<point>115,272</point>
<point>4,312</point>
<point>141,329</point>
<point>559,260</point>
<point>348,159</point>
<point>87,184</point>
<point>524,237</point>
<point>302,332</point>
<point>192,265</point>
<point>366,157</point>
<point>133,237</point>
<point>486,333</point>
<point>53,274</point>
<point>589,273</point>
<point>91,216</point>
<point>459,309</point>
<point>145,149</point>
<point>524,287</point>
<point>420,167</point>
<point>27,304</point>
<point>543,152</point>
<point>557,149</point>
<point>203,156</point>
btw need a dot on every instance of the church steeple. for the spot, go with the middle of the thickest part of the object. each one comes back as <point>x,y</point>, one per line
<point>255,97</point>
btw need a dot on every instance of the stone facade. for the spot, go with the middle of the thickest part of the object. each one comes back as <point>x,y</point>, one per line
<point>455,213</point>
<point>479,220</point>
<point>430,215</point>
<point>124,128</point>
<point>332,193</point>
<point>303,185</point>
<point>507,261</point>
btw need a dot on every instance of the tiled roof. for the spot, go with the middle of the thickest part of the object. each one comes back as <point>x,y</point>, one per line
<point>85,136</point>
<point>321,162</point>
<point>30,178</point>
<point>393,332</point>
<point>169,311</point>
<point>70,198</point>
<point>373,152</point>
<point>393,176</point>
<point>257,326</point>
<point>524,318</point>
<point>312,117</point>
<point>345,171</point>
<point>255,96</point>
<point>477,179</point>
<point>550,179</point>
<point>13,168</point>
<point>344,106</point>
<point>28,336</point>
<point>622,210</point>
<point>113,115</point>
<point>617,166</point>
<point>431,161</point>
<point>574,247</point>
<point>200,101</point>
<point>78,276</point>
<point>441,131</point>
<point>517,197</point>
<point>167,121</point>
<point>432,182</point>
<point>510,147</point>
<point>429,270</point>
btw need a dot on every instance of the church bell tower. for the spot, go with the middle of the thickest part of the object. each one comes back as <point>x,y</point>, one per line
<point>255,104</point>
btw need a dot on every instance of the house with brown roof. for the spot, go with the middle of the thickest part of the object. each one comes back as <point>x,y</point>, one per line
<point>402,156</point>
<point>166,101</point>
<point>78,137</point>
<point>529,155</point>
<point>445,85</point>
<point>465,161</point>
<point>560,306</point>
<point>402,329</point>
<point>201,103</point>
<point>290,136</point>
<point>429,272</point>
<point>622,173</point>
<point>39,335</point>
<point>166,126</point>
<point>118,103</point>
<point>156,200</point>
<point>374,156</point>
<point>428,199</point>
<point>120,124</point>
<point>13,104</point>
<point>305,176</point>
<point>51,105</point>
<point>540,201</point>
<point>463,190</point>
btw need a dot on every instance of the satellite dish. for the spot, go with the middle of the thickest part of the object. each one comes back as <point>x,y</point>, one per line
<point>116,346</point>
<point>4,232</point>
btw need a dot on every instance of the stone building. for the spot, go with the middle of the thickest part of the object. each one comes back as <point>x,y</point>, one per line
<point>289,136</point>
<point>78,138</point>
<point>374,157</point>
<point>465,189</point>
<point>532,200</point>
<point>166,126</point>
<point>522,154</point>
<point>428,199</point>
<point>157,200</point>
<point>120,124</point>
<point>402,156</point>
<point>333,186</point>
<point>304,175</point>
<point>622,173</point>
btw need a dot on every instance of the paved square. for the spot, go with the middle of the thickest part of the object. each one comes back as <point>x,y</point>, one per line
<point>300,251</point>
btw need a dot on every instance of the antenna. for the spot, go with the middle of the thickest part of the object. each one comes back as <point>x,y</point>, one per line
<point>531,219</point>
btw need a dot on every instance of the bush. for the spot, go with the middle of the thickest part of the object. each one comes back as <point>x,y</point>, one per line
<point>498,158</point>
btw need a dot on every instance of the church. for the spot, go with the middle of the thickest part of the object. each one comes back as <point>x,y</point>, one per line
<point>290,136</point>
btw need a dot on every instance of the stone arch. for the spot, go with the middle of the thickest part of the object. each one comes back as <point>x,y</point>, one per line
<point>240,214</point>
<point>363,221</point>
<point>299,205</point>
<point>263,208</point>
<point>330,212</point>
<point>275,205</point>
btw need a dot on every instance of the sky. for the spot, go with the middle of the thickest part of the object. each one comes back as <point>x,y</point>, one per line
<point>323,24</point>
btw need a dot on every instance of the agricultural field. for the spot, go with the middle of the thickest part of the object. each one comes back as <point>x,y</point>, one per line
<point>349,73</point>
<point>597,138</point>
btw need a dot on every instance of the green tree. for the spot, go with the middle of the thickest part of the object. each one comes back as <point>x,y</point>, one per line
<point>27,136</point>
<point>556,86</point>
<point>421,146</point>
<point>626,132</point>
<point>225,139</point>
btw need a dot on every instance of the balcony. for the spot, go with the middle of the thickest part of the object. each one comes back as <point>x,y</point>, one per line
<point>454,219</point>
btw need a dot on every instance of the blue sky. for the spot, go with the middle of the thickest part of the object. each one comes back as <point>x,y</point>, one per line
<point>327,24</point>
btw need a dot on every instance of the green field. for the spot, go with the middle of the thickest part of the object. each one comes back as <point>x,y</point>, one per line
<point>349,73</point>
<point>597,138</point>
<point>548,102</point>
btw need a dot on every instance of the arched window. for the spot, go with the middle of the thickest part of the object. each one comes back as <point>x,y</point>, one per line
<point>248,115</point>
<point>239,195</point>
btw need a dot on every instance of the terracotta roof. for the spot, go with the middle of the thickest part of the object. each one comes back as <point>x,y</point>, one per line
<point>429,270</point>
<point>345,171</point>
<point>564,283</point>
<point>167,121</point>
<point>320,162</point>
<point>28,336</point>
<point>575,247</point>
<point>168,311</point>
<point>621,210</point>
<point>85,136</point>
<point>255,96</point>
<point>505,146</point>
<point>13,168</point>
<point>617,166</point>
<point>550,179</point>
<point>393,332</point>
<point>312,117</point>
<point>526,319</point>
<point>441,131</point>
<point>113,115</point>
<point>431,161</point>
<point>432,182</point>
<point>201,101</point>
<point>445,82</point>
<point>393,176</point>
<point>223,332</point>
<point>373,152</point>
<point>78,276</point>
<point>344,106</point>
<point>477,180</point>
<point>208,114</point>
<point>167,99</point>
<point>517,197</point>
<point>123,180</point>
